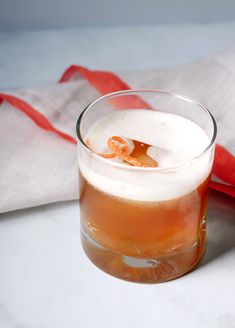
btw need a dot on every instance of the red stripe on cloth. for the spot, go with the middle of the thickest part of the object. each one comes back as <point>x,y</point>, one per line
<point>228,190</point>
<point>224,165</point>
<point>34,114</point>
<point>106,82</point>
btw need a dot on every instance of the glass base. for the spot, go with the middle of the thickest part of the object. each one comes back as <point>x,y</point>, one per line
<point>152,270</point>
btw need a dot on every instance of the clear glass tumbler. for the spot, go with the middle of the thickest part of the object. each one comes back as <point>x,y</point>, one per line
<point>144,240</point>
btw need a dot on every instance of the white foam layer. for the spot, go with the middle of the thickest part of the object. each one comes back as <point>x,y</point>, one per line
<point>174,140</point>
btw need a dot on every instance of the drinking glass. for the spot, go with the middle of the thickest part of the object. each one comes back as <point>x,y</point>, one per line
<point>160,233</point>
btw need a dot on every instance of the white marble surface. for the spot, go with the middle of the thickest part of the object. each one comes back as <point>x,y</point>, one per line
<point>45,279</point>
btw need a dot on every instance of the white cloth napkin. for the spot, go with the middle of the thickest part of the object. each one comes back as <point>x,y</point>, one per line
<point>37,167</point>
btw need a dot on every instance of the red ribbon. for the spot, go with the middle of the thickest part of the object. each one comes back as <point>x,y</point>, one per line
<point>34,114</point>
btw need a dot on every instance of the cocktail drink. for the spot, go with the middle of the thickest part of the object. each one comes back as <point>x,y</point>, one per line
<point>145,160</point>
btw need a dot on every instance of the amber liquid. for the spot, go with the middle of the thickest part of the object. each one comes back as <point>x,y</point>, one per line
<point>143,241</point>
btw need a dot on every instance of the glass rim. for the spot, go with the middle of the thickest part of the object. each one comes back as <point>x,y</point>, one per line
<point>144,169</point>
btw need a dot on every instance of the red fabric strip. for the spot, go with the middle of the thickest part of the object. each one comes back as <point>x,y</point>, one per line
<point>228,190</point>
<point>35,115</point>
<point>106,82</point>
<point>224,165</point>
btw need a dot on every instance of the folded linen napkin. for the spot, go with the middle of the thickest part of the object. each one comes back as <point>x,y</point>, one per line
<point>39,161</point>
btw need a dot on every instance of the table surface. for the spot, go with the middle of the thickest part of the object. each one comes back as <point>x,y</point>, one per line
<point>45,279</point>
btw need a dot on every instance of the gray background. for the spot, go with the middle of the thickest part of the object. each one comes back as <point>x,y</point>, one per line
<point>20,14</point>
